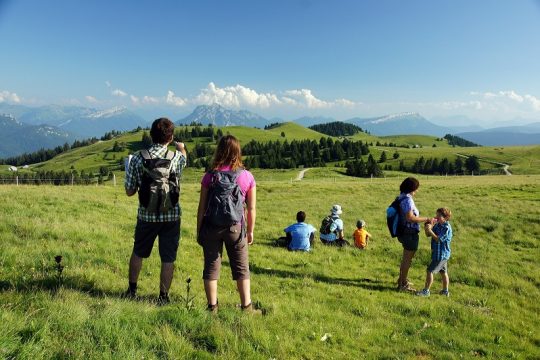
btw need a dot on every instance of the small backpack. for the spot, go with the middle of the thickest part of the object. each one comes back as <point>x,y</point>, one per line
<point>225,200</point>
<point>326,224</point>
<point>393,218</point>
<point>159,190</point>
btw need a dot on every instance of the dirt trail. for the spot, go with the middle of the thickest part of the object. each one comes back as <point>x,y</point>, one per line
<point>301,174</point>
<point>505,166</point>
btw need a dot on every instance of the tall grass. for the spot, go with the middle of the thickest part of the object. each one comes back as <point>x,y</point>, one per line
<point>330,303</point>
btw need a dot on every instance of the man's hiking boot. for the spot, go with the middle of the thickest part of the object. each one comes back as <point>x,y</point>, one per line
<point>423,293</point>
<point>163,299</point>
<point>129,294</point>
<point>250,309</point>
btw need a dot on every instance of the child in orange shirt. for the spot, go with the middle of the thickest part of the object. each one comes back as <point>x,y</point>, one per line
<point>360,235</point>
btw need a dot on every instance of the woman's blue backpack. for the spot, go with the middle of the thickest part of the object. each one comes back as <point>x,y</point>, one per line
<point>393,218</point>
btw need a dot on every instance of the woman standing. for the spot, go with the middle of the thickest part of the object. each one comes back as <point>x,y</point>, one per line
<point>212,235</point>
<point>410,218</point>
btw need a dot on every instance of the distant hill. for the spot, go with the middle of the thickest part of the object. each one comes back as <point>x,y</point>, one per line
<point>501,138</point>
<point>220,116</point>
<point>81,121</point>
<point>400,124</point>
<point>17,138</point>
<point>336,128</point>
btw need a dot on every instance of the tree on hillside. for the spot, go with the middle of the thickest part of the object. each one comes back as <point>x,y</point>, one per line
<point>396,155</point>
<point>383,157</point>
<point>458,165</point>
<point>472,164</point>
<point>456,140</point>
<point>146,139</point>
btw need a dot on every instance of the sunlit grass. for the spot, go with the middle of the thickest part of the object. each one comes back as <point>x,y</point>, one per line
<point>344,296</point>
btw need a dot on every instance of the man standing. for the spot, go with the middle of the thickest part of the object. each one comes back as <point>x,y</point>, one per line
<point>154,173</point>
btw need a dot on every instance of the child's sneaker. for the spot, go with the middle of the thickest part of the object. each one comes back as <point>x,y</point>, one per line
<point>444,292</point>
<point>424,293</point>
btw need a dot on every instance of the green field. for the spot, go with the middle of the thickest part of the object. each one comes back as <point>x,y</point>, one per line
<point>328,304</point>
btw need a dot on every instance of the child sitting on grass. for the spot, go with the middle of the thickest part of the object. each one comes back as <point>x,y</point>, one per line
<point>440,231</point>
<point>360,235</point>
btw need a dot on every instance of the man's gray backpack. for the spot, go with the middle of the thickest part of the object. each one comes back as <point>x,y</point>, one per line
<point>159,191</point>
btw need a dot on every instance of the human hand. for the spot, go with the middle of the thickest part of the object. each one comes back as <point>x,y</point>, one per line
<point>250,238</point>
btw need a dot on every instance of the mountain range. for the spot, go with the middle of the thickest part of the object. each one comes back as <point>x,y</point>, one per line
<point>17,138</point>
<point>220,116</point>
<point>79,121</point>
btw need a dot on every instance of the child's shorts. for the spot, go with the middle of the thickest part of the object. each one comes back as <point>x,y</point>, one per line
<point>438,266</point>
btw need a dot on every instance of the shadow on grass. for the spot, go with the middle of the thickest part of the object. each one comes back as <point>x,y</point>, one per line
<point>365,283</point>
<point>75,283</point>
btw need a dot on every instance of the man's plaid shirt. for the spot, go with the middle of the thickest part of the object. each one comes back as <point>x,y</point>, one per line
<point>134,177</point>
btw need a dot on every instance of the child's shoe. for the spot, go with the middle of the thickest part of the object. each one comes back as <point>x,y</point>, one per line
<point>424,293</point>
<point>444,292</point>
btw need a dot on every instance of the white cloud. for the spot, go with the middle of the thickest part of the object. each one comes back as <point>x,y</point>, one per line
<point>6,96</point>
<point>305,98</point>
<point>91,99</point>
<point>108,84</point>
<point>118,92</point>
<point>150,100</point>
<point>509,100</point>
<point>174,100</point>
<point>235,96</point>
<point>240,96</point>
<point>135,100</point>
<point>534,101</point>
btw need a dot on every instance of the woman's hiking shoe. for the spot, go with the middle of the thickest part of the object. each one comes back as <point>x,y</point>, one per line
<point>444,292</point>
<point>251,310</point>
<point>213,309</point>
<point>406,287</point>
<point>424,293</point>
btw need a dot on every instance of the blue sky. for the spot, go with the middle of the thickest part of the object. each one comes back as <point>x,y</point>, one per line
<point>278,58</point>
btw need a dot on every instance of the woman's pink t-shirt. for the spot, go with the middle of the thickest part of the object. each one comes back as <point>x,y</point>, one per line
<point>245,180</point>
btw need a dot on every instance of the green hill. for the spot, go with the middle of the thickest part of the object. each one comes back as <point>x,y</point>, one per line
<point>522,159</point>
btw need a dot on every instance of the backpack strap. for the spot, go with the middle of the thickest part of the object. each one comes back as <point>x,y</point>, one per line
<point>169,155</point>
<point>146,154</point>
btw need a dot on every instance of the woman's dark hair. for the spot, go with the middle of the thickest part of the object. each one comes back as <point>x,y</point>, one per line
<point>300,216</point>
<point>409,185</point>
<point>162,131</point>
<point>228,153</point>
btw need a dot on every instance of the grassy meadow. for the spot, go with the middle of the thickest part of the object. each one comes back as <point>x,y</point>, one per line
<point>328,304</point>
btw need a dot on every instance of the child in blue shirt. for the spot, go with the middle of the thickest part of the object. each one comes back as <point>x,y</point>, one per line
<point>440,231</point>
